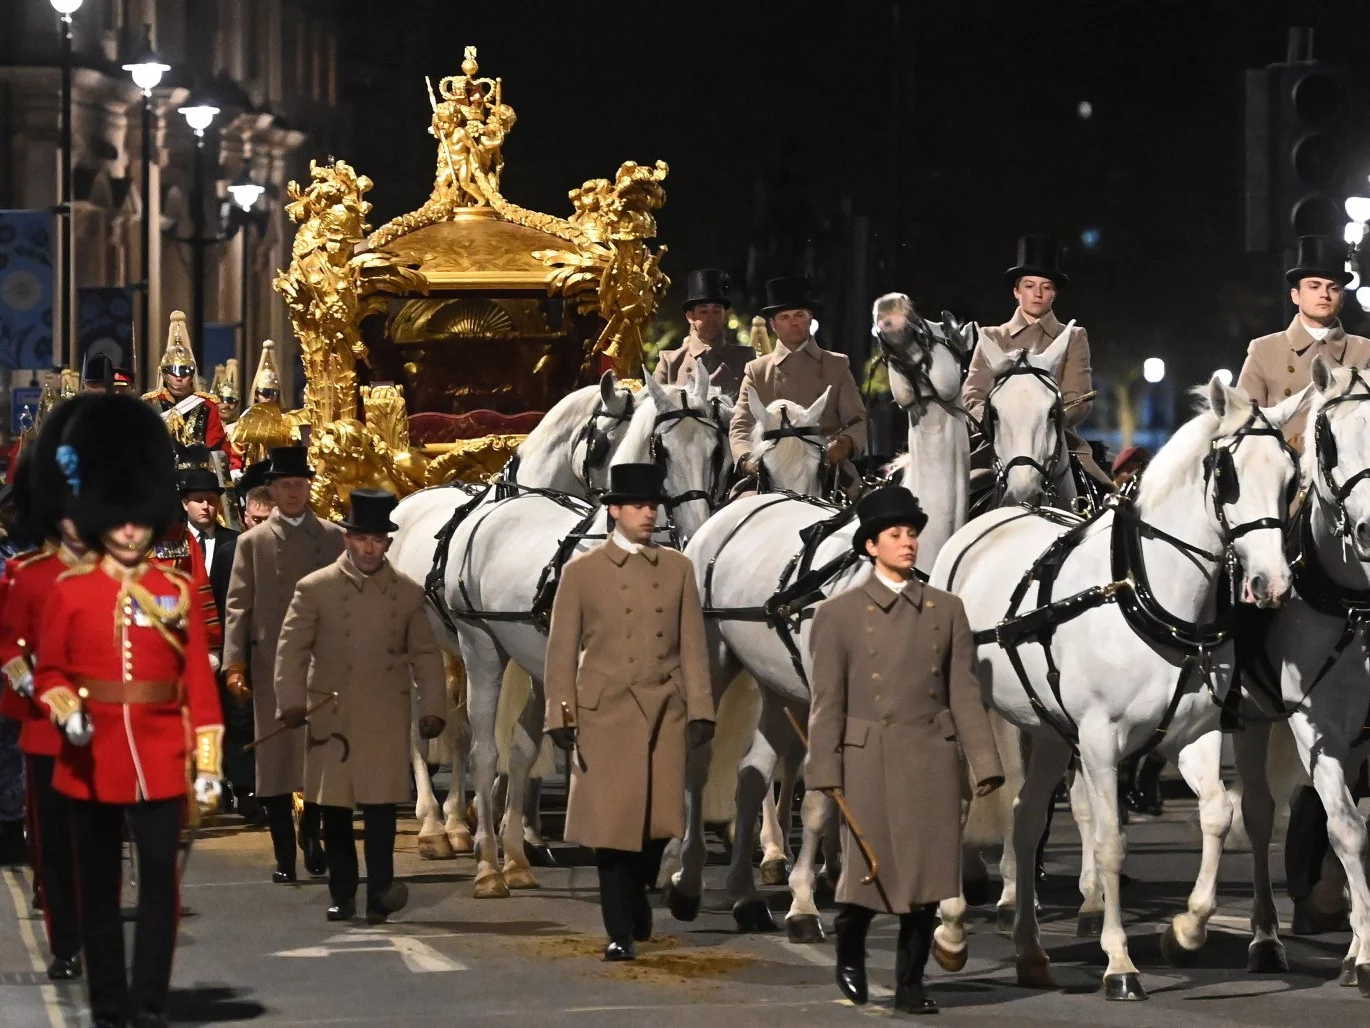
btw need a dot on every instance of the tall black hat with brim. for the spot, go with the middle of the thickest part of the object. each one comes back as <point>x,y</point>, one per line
<point>368,512</point>
<point>708,285</point>
<point>289,462</point>
<point>1041,256</point>
<point>1319,257</point>
<point>200,480</point>
<point>793,292</point>
<point>253,475</point>
<point>884,508</point>
<point>634,483</point>
<point>119,467</point>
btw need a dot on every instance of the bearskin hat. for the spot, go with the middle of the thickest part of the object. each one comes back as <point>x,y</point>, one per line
<point>117,459</point>
<point>48,503</point>
<point>23,533</point>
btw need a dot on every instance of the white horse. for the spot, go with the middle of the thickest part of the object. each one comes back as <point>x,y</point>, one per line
<point>569,451</point>
<point>1317,668</point>
<point>1114,674</point>
<point>741,556</point>
<point>500,561</point>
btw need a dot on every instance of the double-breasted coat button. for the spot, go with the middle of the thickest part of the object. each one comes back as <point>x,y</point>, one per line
<point>936,670</point>
<point>1289,392</point>
<point>659,610</point>
<point>875,676</point>
<point>885,721</point>
<point>660,635</point>
<point>1290,369</point>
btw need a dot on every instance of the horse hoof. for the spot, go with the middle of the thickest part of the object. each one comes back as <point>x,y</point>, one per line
<point>1003,918</point>
<point>461,841</point>
<point>682,907</point>
<point>490,885</point>
<point>1363,979</point>
<point>1173,953</point>
<point>1089,925</point>
<point>804,928</point>
<point>1034,974</point>
<point>1266,956</point>
<point>753,916</point>
<point>975,891</point>
<point>952,960</point>
<point>775,871</point>
<point>436,847</point>
<point>519,876</point>
<point>1348,973</point>
<point>1124,986</point>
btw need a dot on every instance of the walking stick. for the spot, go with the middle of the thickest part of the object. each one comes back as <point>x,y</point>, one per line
<point>866,852</point>
<point>330,698</point>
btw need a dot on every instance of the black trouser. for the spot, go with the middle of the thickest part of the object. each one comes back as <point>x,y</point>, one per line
<point>240,767</point>
<point>51,845</point>
<point>914,945</point>
<point>624,876</point>
<point>280,819</point>
<point>378,844</point>
<point>98,833</point>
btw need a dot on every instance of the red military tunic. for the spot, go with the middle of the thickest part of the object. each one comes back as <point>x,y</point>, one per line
<point>206,423</point>
<point>132,633</point>
<point>11,703</point>
<point>177,550</point>
<point>29,583</point>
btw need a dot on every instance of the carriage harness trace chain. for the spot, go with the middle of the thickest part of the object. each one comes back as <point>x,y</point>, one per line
<point>1130,587</point>
<point>506,489</point>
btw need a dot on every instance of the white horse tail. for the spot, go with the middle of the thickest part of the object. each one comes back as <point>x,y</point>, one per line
<point>990,819</point>
<point>739,713</point>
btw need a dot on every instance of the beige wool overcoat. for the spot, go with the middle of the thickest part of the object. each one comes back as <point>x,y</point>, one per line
<point>1280,364</point>
<point>726,363</point>
<point>626,655</point>
<point>894,692</point>
<point>268,564</point>
<point>367,638</point>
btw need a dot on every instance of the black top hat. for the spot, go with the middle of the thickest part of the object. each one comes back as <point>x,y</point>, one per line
<point>98,368</point>
<point>200,480</point>
<point>368,512</point>
<point>788,294</point>
<point>253,475</point>
<point>708,285</point>
<point>1041,256</point>
<point>289,462</point>
<point>634,483</point>
<point>883,508</point>
<point>1321,257</point>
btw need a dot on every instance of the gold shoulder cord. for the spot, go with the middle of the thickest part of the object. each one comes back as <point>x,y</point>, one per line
<point>162,620</point>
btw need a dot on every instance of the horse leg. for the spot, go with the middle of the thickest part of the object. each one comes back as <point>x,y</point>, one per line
<point>1090,921</point>
<point>454,807</point>
<point>754,777</point>
<point>525,744</point>
<point>802,922</point>
<point>1251,747</point>
<point>433,843</point>
<point>776,859</point>
<point>1015,750</point>
<point>1099,767</point>
<point>1346,833</point>
<point>1046,763</point>
<point>484,670</point>
<point>1200,764</point>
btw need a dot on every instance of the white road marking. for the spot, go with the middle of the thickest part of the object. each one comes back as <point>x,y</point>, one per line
<point>417,955</point>
<point>56,1018</point>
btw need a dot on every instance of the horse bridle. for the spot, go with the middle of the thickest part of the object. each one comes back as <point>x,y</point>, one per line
<point>596,439</point>
<point>914,370</point>
<point>712,418</point>
<point>810,435</point>
<point>1056,421</point>
<point>1325,450</point>
<point>1220,471</point>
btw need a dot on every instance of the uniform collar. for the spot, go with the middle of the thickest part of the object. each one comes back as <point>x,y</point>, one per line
<point>808,348</point>
<point>1049,322</point>
<point>281,526</point>
<point>68,556</point>
<point>119,572</point>
<point>1300,341</point>
<point>695,346</point>
<point>885,597</point>
<point>381,579</point>
<point>619,555</point>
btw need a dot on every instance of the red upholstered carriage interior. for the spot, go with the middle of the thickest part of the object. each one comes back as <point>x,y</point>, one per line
<point>432,427</point>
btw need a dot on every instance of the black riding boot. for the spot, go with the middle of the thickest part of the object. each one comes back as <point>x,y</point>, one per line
<point>915,943</point>
<point>851,924</point>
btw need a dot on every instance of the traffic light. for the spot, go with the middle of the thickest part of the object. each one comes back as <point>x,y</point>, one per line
<point>1298,118</point>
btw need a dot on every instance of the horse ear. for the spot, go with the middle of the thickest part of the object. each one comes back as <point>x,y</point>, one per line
<point>1280,414</point>
<point>814,414</point>
<point>760,414</point>
<point>607,386</point>
<point>659,398</point>
<point>1054,355</point>
<point>994,353</point>
<point>1322,374</point>
<point>1219,398</point>
<point>701,382</point>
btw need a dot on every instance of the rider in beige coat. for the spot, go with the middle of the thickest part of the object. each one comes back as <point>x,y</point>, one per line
<point>706,309</point>
<point>627,685</point>
<point>357,639</point>
<point>269,562</point>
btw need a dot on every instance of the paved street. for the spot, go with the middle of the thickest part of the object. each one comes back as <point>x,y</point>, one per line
<point>253,951</point>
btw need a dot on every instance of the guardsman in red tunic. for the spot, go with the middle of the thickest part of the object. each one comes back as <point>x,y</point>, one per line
<point>192,417</point>
<point>123,669</point>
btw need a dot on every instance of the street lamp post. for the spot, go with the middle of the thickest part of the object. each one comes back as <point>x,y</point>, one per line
<point>147,72</point>
<point>66,8</point>
<point>199,113</point>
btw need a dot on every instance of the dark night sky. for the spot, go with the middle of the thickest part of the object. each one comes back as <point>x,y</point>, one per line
<point>800,97</point>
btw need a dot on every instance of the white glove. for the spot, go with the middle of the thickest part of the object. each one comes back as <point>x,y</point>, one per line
<point>208,792</point>
<point>79,728</point>
<point>24,687</point>
<point>214,663</point>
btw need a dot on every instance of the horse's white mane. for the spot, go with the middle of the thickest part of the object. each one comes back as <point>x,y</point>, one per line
<point>1180,461</point>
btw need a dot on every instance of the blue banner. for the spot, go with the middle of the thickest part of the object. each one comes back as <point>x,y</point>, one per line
<point>220,344</point>
<point>26,289</point>
<point>105,324</point>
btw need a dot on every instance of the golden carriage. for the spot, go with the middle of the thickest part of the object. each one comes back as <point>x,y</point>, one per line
<point>432,345</point>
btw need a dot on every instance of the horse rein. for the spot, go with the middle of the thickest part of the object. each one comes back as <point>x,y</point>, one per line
<point>596,439</point>
<point>1055,419</point>
<point>1220,473</point>
<point>1325,450</point>
<point>711,418</point>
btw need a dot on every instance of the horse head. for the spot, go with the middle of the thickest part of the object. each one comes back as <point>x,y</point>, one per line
<point>789,444</point>
<point>1024,419</point>
<point>1338,461</point>
<point>600,433</point>
<point>684,431</point>
<point>924,359</point>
